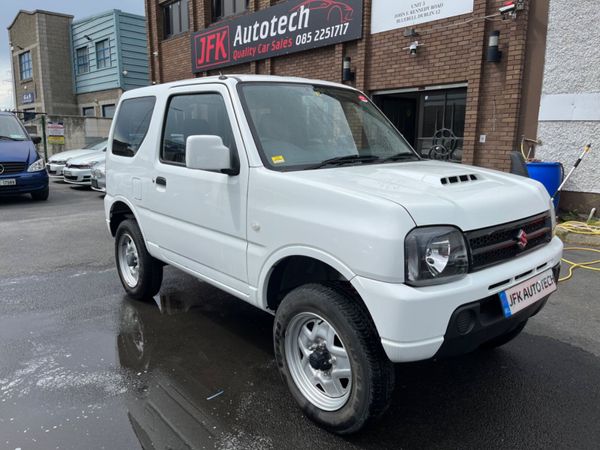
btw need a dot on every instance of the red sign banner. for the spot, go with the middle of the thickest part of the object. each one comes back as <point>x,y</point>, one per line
<point>285,28</point>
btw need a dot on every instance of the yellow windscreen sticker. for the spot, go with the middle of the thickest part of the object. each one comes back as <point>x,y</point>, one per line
<point>277,159</point>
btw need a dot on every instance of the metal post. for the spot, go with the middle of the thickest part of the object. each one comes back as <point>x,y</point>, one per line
<point>44,137</point>
<point>586,150</point>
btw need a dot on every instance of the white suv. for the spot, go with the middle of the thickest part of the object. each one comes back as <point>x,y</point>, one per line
<point>299,197</point>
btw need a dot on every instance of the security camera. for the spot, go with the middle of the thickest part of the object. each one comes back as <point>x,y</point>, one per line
<point>508,8</point>
<point>413,47</point>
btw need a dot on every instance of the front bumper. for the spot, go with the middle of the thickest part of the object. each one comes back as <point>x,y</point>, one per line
<point>26,182</point>
<point>82,177</point>
<point>412,322</point>
<point>476,323</point>
<point>98,184</point>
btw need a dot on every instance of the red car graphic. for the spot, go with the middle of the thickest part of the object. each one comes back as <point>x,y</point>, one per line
<point>335,9</point>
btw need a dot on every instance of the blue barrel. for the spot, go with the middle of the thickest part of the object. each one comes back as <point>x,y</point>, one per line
<point>550,174</point>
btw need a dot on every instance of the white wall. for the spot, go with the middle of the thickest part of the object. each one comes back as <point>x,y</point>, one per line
<point>568,122</point>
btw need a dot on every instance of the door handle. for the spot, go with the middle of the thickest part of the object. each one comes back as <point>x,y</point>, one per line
<point>161,181</point>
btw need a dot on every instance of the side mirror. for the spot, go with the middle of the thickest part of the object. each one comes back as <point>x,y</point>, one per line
<point>36,140</point>
<point>208,153</point>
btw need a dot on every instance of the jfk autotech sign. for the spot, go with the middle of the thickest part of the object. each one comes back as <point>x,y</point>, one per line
<point>285,28</point>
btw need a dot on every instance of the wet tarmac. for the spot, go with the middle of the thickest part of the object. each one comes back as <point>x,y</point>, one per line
<point>84,367</point>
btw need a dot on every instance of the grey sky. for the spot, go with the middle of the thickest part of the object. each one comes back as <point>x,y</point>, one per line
<point>78,8</point>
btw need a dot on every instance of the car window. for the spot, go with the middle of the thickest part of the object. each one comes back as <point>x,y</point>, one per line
<point>192,115</point>
<point>99,145</point>
<point>131,126</point>
<point>10,128</point>
<point>301,126</point>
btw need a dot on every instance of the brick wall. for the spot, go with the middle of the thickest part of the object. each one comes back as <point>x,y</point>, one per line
<point>453,51</point>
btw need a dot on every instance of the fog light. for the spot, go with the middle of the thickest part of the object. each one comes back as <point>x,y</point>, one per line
<point>465,321</point>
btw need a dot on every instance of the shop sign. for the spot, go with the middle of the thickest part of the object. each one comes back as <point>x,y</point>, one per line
<point>27,98</point>
<point>56,133</point>
<point>391,14</point>
<point>285,28</point>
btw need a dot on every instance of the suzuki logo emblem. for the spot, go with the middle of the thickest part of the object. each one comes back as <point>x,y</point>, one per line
<point>522,240</point>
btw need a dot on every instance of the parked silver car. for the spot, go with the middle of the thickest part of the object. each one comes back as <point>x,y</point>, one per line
<point>56,163</point>
<point>99,177</point>
<point>79,170</point>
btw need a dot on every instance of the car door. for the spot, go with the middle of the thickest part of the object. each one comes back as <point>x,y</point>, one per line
<point>199,217</point>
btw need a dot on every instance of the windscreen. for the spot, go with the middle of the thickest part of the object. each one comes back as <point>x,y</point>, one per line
<point>10,128</point>
<point>300,126</point>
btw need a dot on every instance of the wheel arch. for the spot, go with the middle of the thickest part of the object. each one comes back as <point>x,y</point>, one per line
<point>293,266</point>
<point>121,210</point>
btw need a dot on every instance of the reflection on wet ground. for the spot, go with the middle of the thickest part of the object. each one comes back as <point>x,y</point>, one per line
<point>206,378</point>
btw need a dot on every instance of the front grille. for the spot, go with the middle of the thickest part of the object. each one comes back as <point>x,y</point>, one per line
<point>494,245</point>
<point>70,177</point>
<point>10,168</point>
<point>78,166</point>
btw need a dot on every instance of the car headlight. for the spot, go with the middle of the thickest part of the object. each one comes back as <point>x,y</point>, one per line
<point>98,172</point>
<point>435,255</point>
<point>37,166</point>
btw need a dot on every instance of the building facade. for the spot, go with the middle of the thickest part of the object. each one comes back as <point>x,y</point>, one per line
<point>570,108</point>
<point>61,67</point>
<point>41,62</point>
<point>428,64</point>
<point>109,56</point>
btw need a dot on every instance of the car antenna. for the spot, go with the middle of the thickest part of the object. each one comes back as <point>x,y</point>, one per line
<point>221,76</point>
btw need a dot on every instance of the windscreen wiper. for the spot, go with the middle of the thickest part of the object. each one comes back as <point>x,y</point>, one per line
<point>348,159</point>
<point>10,138</point>
<point>400,157</point>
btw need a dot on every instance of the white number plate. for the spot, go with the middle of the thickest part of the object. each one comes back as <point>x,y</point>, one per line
<point>8,182</point>
<point>527,293</point>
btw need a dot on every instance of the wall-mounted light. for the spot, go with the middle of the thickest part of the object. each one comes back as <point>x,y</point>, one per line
<point>125,73</point>
<point>347,73</point>
<point>87,37</point>
<point>493,52</point>
<point>413,48</point>
<point>155,53</point>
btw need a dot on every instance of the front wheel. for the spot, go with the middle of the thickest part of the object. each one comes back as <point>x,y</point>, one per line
<point>330,356</point>
<point>140,273</point>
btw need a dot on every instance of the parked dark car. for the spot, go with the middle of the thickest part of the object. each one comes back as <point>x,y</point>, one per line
<point>22,169</point>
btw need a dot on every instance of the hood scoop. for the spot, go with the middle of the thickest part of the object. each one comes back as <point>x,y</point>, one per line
<point>458,179</point>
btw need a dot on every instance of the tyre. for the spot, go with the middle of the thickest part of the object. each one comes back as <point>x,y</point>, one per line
<point>140,273</point>
<point>330,356</point>
<point>41,195</point>
<point>504,338</point>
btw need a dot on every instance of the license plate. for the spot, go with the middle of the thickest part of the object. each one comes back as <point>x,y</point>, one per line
<point>527,293</point>
<point>8,182</point>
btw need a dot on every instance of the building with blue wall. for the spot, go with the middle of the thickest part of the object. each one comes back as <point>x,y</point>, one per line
<point>80,67</point>
<point>109,56</point>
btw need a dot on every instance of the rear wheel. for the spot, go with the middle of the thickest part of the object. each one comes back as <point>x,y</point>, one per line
<point>140,273</point>
<point>330,356</point>
<point>41,195</point>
